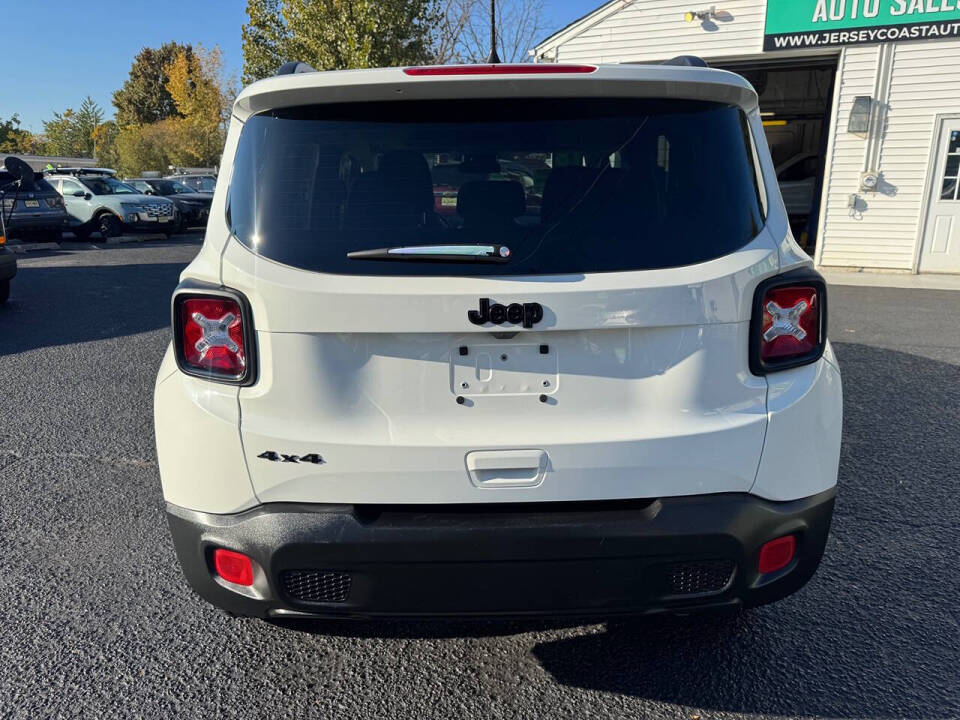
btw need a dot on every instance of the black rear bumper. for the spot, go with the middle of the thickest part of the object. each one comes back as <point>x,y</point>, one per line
<point>671,554</point>
<point>21,222</point>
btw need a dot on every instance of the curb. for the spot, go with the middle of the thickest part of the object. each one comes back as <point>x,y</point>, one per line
<point>25,247</point>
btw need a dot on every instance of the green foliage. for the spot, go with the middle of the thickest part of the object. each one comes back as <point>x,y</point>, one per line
<point>11,136</point>
<point>197,87</point>
<point>193,134</point>
<point>70,133</point>
<point>337,34</point>
<point>144,147</point>
<point>144,97</point>
<point>105,144</point>
<point>263,38</point>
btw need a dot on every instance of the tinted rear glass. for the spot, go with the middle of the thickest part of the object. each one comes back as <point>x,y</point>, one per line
<point>39,185</point>
<point>569,185</point>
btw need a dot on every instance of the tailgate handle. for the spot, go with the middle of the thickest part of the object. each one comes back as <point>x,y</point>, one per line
<point>506,468</point>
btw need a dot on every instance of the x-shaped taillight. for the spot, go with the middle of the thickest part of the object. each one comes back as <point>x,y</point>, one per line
<point>214,333</point>
<point>786,321</point>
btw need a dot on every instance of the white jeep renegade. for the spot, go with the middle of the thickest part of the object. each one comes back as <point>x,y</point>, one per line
<point>498,340</point>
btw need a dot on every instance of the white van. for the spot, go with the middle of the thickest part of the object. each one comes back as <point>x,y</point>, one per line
<point>498,340</point>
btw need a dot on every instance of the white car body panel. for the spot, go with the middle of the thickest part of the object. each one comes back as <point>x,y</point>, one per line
<point>198,445</point>
<point>650,396</point>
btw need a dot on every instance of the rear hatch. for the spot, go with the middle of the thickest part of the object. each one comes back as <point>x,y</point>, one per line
<point>499,299</point>
<point>30,201</point>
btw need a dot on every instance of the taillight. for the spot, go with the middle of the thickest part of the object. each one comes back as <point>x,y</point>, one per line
<point>55,202</point>
<point>213,335</point>
<point>789,325</point>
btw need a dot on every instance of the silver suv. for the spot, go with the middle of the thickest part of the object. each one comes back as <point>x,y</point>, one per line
<point>98,202</point>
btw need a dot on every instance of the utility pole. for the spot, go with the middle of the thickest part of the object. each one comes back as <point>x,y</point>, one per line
<point>493,58</point>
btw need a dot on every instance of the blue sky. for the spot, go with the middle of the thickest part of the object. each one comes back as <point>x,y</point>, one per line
<point>78,48</point>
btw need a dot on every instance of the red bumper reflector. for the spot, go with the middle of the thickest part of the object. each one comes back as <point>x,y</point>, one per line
<point>526,69</point>
<point>233,567</point>
<point>777,554</point>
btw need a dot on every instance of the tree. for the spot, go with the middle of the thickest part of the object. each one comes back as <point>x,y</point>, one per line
<point>263,38</point>
<point>144,147</point>
<point>15,140</point>
<point>144,97</point>
<point>463,33</point>
<point>337,34</point>
<point>105,144</point>
<point>70,133</point>
<point>197,87</point>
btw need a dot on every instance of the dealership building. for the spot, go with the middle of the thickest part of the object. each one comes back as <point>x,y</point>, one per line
<point>860,102</point>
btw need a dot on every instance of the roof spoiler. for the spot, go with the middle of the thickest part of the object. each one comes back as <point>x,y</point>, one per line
<point>293,67</point>
<point>686,61</point>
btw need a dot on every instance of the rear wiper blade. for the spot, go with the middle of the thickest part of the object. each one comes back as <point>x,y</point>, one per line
<point>437,253</point>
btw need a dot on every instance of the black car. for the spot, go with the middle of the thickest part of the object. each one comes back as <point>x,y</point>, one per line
<point>193,207</point>
<point>33,210</point>
<point>8,268</point>
<point>201,182</point>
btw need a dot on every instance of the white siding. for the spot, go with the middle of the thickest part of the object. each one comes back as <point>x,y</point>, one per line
<point>923,85</point>
<point>654,29</point>
<point>845,239</point>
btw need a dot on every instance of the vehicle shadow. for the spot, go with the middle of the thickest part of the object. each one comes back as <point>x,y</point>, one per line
<point>70,304</point>
<point>874,634</point>
<point>427,628</point>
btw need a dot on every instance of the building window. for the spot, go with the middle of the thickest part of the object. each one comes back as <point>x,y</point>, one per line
<point>952,168</point>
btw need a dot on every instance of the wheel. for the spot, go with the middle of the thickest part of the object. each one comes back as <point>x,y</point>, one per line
<point>4,291</point>
<point>109,226</point>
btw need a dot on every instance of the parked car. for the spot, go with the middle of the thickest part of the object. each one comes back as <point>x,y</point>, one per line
<point>8,270</point>
<point>199,182</point>
<point>193,207</point>
<point>33,209</point>
<point>98,202</point>
<point>623,403</point>
<point>797,178</point>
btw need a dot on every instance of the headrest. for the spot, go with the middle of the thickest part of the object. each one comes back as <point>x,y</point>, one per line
<point>407,172</point>
<point>491,201</point>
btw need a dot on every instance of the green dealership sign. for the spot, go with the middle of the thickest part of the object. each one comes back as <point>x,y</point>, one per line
<point>806,24</point>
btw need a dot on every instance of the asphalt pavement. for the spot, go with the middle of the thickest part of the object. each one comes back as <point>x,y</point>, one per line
<point>97,621</point>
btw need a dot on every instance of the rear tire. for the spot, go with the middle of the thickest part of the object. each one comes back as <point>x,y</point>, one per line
<point>109,226</point>
<point>4,291</point>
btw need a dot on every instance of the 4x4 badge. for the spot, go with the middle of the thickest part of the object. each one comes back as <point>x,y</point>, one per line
<point>282,457</point>
<point>528,313</point>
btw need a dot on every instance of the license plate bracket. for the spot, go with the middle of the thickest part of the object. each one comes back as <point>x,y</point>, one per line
<point>504,369</point>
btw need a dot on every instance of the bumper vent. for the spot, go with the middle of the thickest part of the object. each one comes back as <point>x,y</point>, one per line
<point>316,585</point>
<point>700,577</point>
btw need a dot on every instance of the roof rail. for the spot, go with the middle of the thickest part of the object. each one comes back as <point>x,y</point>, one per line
<point>686,61</point>
<point>290,68</point>
<point>80,171</point>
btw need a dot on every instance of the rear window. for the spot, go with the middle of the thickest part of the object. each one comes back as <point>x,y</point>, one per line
<point>568,185</point>
<point>39,185</point>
